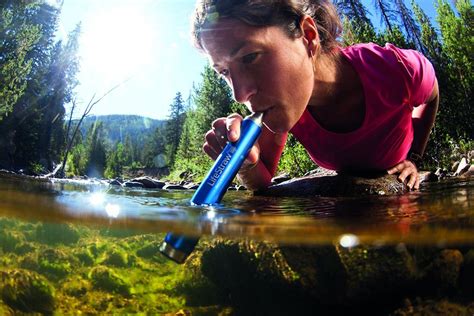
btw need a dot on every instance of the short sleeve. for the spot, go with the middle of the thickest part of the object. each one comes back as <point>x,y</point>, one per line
<point>419,74</point>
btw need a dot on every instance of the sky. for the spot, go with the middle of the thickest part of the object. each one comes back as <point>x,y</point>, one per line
<point>143,46</point>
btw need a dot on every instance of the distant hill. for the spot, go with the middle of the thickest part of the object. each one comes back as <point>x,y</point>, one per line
<point>117,127</point>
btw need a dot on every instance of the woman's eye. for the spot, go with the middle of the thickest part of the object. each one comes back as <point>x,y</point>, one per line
<point>249,58</point>
<point>224,73</point>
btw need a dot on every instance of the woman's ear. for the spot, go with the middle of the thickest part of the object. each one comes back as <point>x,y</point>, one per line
<point>310,34</point>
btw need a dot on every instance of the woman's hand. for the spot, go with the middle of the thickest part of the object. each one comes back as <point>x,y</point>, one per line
<point>408,173</point>
<point>227,129</point>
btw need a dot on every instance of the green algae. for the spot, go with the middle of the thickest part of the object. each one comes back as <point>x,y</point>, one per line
<point>106,279</point>
<point>27,291</point>
<point>53,233</point>
<point>113,273</point>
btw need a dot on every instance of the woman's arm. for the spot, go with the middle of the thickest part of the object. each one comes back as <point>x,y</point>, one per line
<point>423,120</point>
<point>258,175</point>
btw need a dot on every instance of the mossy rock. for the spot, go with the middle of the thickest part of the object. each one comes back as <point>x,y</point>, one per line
<point>85,256</point>
<point>55,233</point>
<point>27,291</point>
<point>76,286</point>
<point>432,307</point>
<point>386,273</point>
<point>55,263</point>
<point>467,274</point>
<point>442,275</point>
<point>250,272</point>
<point>151,251</point>
<point>116,257</point>
<point>24,248</point>
<point>10,239</point>
<point>5,309</point>
<point>104,278</point>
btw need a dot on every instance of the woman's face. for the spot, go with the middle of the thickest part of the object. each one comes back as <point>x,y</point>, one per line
<point>266,69</point>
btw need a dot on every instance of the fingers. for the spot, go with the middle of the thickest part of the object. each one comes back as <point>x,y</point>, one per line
<point>233,127</point>
<point>223,129</point>
<point>407,174</point>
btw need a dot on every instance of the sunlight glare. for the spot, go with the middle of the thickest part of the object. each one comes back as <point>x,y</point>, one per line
<point>117,43</point>
<point>112,210</point>
<point>349,240</point>
<point>97,199</point>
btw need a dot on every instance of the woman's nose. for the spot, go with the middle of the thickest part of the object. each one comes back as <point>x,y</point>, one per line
<point>243,88</point>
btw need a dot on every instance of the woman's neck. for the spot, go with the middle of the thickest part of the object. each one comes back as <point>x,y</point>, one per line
<point>337,101</point>
<point>327,80</point>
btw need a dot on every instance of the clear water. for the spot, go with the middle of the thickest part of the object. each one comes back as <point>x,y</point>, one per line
<point>439,216</point>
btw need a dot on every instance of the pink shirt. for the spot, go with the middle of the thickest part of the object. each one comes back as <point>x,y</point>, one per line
<point>394,81</point>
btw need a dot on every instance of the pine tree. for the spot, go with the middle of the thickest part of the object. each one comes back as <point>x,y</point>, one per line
<point>96,152</point>
<point>386,12</point>
<point>412,30</point>
<point>213,99</point>
<point>174,127</point>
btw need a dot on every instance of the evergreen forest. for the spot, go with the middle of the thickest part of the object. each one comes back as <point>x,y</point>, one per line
<point>38,79</point>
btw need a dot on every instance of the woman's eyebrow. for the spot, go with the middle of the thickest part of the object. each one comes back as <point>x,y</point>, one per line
<point>238,47</point>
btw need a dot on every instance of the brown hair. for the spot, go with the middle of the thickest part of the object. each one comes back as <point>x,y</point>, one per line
<point>284,13</point>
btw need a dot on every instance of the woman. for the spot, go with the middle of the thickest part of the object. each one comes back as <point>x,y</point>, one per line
<point>359,108</point>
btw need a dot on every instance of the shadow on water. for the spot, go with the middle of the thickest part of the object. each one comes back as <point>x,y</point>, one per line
<point>94,248</point>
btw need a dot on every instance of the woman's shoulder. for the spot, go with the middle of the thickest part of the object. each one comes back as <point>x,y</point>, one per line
<point>406,67</point>
<point>371,54</point>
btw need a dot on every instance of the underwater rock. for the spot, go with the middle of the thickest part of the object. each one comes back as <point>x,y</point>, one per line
<point>24,248</point>
<point>5,309</point>
<point>382,272</point>
<point>85,256</point>
<point>466,277</point>
<point>27,291</point>
<point>117,258</point>
<point>149,250</point>
<point>248,270</point>
<point>54,263</point>
<point>442,274</point>
<point>9,240</point>
<point>56,233</point>
<point>76,286</point>
<point>328,183</point>
<point>104,278</point>
<point>327,275</point>
<point>431,307</point>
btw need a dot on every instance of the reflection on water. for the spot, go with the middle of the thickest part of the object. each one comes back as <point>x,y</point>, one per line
<point>439,213</point>
<point>70,246</point>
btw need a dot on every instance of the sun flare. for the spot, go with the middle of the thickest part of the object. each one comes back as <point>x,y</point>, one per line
<point>117,43</point>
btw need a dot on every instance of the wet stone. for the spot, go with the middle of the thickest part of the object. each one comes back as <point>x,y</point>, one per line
<point>115,182</point>
<point>328,183</point>
<point>132,184</point>
<point>149,183</point>
<point>170,186</point>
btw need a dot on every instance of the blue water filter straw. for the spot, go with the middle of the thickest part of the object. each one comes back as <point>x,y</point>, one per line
<point>215,184</point>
